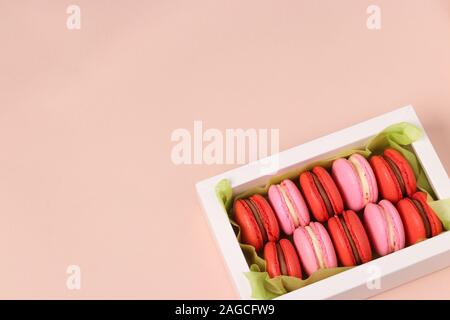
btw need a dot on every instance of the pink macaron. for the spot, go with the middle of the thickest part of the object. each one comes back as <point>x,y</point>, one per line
<point>356,181</point>
<point>314,247</point>
<point>289,206</point>
<point>384,227</point>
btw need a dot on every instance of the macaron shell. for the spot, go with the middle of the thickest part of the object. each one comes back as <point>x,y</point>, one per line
<point>341,242</point>
<point>359,235</point>
<point>268,217</point>
<point>292,262</point>
<point>270,255</point>
<point>282,211</point>
<point>305,250</point>
<point>326,244</point>
<point>313,197</point>
<point>436,224</point>
<point>298,201</point>
<point>349,184</point>
<point>377,229</point>
<point>387,182</point>
<point>250,233</point>
<point>405,170</point>
<point>412,221</point>
<point>330,188</point>
<point>369,175</point>
<point>399,231</point>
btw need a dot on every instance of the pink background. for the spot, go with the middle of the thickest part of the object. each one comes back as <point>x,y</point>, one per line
<point>86,176</point>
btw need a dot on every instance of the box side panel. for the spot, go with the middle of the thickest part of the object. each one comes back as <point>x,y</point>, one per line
<point>225,238</point>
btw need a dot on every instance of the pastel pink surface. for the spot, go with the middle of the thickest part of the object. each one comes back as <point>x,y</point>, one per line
<point>83,112</point>
<point>368,174</point>
<point>347,180</point>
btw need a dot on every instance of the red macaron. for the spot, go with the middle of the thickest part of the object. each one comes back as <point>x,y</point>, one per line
<point>419,220</point>
<point>394,175</point>
<point>350,239</point>
<point>321,193</point>
<point>257,221</point>
<point>281,259</point>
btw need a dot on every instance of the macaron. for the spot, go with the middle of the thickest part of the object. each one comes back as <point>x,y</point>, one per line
<point>394,175</point>
<point>384,227</point>
<point>350,239</point>
<point>356,181</point>
<point>289,205</point>
<point>419,220</point>
<point>281,259</point>
<point>321,193</point>
<point>257,221</point>
<point>314,248</point>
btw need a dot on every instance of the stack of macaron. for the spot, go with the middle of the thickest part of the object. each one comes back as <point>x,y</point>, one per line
<point>344,216</point>
<point>397,183</point>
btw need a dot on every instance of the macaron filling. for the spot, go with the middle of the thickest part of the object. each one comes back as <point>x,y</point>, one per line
<point>397,173</point>
<point>259,222</point>
<point>424,217</point>
<point>281,260</point>
<point>362,178</point>
<point>289,204</point>
<point>316,246</point>
<point>323,194</point>
<point>390,229</point>
<point>350,239</point>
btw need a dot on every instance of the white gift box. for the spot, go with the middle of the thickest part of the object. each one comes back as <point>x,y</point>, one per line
<point>359,282</point>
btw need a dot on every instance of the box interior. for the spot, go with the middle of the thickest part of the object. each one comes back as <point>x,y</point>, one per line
<point>262,181</point>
